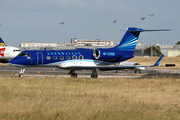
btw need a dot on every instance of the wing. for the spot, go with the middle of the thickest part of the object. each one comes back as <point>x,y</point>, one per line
<point>105,68</point>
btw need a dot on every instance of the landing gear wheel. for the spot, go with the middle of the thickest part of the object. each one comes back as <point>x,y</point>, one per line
<point>21,75</point>
<point>94,76</point>
<point>74,75</point>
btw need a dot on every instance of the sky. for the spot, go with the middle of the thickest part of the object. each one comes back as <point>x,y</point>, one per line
<point>38,20</point>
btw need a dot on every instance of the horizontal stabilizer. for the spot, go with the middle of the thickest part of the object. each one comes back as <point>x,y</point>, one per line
<point>143,30</point>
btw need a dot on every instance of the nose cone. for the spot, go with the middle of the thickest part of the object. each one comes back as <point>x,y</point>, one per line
<point>20,61</point>
<point>14,62</point>
<point>11,62</point>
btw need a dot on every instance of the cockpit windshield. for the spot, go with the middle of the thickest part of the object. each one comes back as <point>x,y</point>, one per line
<point>24,54</point>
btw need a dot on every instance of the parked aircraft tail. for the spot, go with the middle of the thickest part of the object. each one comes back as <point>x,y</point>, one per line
<point>2,43</point>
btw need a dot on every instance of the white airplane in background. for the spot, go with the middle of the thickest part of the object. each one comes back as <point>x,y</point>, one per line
<point>136,64</point>
<point>7,52</point>
<point>127,63</point>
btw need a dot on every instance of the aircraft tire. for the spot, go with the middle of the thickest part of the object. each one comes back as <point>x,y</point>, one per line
<point>94,76</point>
<point>21,75</point>
<point>74,75</point>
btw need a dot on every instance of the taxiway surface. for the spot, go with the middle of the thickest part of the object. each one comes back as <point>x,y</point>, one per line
<point>7,70</point>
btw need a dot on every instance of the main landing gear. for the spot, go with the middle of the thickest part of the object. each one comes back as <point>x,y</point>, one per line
<point>74,75</point>
<point>94,74</point>
<point>21,73</point>
<point>137,71</point>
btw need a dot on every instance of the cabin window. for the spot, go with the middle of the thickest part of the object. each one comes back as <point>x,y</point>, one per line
<point>81,57</point>
<point>74,57</point>
<point>55,57</point>
<point>61,57</point>
<point>67,57</point>
<point>48,57</point>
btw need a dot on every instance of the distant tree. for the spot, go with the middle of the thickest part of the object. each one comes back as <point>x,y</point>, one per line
<point>178,43</point>
<point>156,51</point>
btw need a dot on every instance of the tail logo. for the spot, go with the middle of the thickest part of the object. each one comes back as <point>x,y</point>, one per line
<point>2,44</point>
<point>2,52</point>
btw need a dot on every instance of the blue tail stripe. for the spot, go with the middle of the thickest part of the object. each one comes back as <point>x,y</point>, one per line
<point>131,38</point>
<point>128,45</point>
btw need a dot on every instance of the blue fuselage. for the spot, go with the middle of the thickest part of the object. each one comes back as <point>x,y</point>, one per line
<point>64,58</point>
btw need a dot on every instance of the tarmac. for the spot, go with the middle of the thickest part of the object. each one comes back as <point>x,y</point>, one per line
<point>7,70</point>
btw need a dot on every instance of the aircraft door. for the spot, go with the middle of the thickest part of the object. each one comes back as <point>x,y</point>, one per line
<point>7,51</point>
<point>39,58</point>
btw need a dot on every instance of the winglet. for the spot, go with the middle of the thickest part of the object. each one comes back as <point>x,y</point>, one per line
<point>159,60</point>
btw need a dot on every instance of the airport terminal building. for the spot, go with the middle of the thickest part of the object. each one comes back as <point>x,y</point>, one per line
<point>97,42</point>
<point>74,42</point>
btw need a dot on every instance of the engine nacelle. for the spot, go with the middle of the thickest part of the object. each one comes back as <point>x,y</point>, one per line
<point>109,54</point>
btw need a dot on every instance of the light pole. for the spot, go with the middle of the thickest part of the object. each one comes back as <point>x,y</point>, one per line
<point>114,21</point>
<point>142,35</point>
<point>151,33</point>
<point>62,30</point>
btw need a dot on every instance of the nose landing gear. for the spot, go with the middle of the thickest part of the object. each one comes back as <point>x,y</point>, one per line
<point>21,73</point>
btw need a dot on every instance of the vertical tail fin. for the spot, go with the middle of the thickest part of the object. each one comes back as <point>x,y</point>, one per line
<point>2,43</point>
<point>129,41</point>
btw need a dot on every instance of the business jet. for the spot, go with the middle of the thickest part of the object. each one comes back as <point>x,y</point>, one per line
<point>7,52</point>
<point>81,58</point>
<point>137,66</point>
